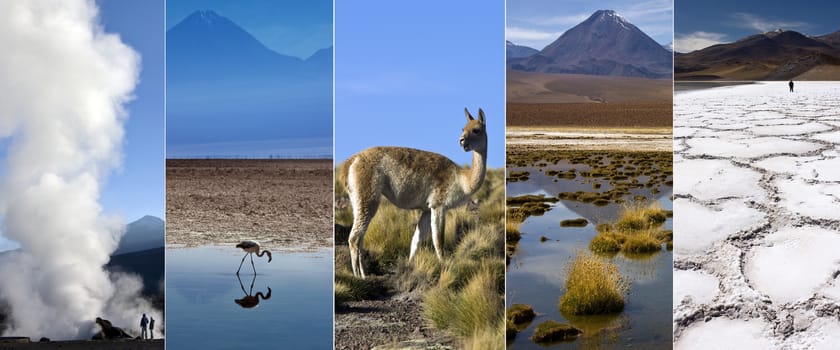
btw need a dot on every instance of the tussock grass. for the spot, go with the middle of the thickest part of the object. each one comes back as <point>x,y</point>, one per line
<point>553,331</point>
<point>579,222</point>
<point>350,288</point>
<point>520,313</point>
<point>638,231</point>
<point>641,216</point>
<point>468,310</point>
<point>465,293</point>
<point>594,286</point>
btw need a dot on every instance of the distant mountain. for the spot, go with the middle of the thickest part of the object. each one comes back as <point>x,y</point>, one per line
<point>146,233</point>
<point>518,51</point>
<point>831,39</point>
<point>224,85</point>
<point>603,44</point>
<point>776,55</point>
<point>669,46</point>
<point>149,264</point>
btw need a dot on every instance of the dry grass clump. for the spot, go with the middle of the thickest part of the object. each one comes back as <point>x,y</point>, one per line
<point>465,293</point>
<point>640,216</point>
<point>515,176</point>
<point>520,314</point>
<point>552,331</point>
<point>637,231</point>
<point>594,286</point>
<point>579,222</point>
<point>467,301</point>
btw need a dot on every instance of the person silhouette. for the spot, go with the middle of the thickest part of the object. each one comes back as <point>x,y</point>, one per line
<point>790,84</point>
<point>143,323</point>
<point>151,328</point>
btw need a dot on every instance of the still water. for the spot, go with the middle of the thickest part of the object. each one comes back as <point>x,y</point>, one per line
<point>288,304</point>
<point>536,273</point>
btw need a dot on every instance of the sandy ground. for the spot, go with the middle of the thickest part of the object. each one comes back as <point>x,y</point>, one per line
<point>386,324</point>
<point>531,87</point>
<point>591,115</point>
<point>757,217</point>
<point>87,345</point>
<point>284,204</point>
<point>649,139</point>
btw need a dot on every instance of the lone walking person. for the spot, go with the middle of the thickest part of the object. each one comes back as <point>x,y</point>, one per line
<point>151,328</point>
<point>790,84</point>
<point>143,323</point>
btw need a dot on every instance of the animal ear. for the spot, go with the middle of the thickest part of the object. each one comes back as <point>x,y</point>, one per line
<point>467,112</point>
<point>481,115</point>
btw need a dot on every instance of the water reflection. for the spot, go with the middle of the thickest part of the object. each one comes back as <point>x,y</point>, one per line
<point>200,313</point>
<point>251,300</point>
<point>536,276</point>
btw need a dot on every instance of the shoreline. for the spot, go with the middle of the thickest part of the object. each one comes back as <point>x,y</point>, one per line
<point>592,139</point>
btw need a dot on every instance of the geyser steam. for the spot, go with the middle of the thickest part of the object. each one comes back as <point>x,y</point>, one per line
<point>63,82</point>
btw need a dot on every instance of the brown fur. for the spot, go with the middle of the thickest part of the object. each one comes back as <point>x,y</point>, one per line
<point>412,179</point>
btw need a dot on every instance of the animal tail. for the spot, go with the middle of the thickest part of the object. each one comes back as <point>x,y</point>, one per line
<point>345,169</point>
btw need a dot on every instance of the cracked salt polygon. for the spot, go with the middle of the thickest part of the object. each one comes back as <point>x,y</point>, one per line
<point>804,257</point>
<point>768,116</point>
<point>751,148</point>
<point>698,227</point>
<point>822,334</point>
<point>832,291</point>
<point>833,137</point>
<point>822,170</point>
<point>727,125</point>
<point>776,130</point>
<point>697,286</point>
<point>685,132</point>
<point>712,179</point>
<point>819,201</point>
<point>723,333</point>
<point>725,134</point>
<point>783,164</point>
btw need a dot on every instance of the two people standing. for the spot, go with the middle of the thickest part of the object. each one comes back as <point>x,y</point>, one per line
<point>144,322</point>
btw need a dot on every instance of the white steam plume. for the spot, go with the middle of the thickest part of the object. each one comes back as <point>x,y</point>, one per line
<point>63,82</point>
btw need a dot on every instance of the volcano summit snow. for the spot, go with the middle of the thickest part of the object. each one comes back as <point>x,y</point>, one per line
<point>604,44</point>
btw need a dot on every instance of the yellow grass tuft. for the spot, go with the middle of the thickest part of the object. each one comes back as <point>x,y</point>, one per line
<point>594,286</point>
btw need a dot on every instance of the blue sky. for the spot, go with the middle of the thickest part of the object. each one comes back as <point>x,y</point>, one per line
<point>404,71</point>
<point>700,24</point>
<point>137,188</point>
<point>537,23</point>
<point>296,28</point>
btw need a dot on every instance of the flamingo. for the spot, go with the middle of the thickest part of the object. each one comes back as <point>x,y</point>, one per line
<point>251,300</point>
<point>250,248</point>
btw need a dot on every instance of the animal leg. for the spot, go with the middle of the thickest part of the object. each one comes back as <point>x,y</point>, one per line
<point>438,223</point>
<point>252,264</point>
<point>240,264</point>
<point>421,232</point>
<point>364,192</point>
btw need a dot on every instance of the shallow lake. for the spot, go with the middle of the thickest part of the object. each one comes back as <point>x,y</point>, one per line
<point>209,307</point>
<point>536,273</point>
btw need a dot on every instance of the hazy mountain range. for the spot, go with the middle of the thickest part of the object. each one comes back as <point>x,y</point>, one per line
<point>604,44</point>
<point>776,55</point>
<point>224,85</point>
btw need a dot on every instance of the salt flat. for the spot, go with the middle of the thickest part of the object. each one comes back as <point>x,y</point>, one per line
<point>757,216</point>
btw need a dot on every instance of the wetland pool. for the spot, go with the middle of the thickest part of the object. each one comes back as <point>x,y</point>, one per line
<point>536,275</point>
<point>288,304</point>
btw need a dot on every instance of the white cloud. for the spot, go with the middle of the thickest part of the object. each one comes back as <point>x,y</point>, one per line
<point>751,21</point>
<point>517,34</point>
<point>697,40</point>
<point>565,21</point>
<point>645,9</point>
